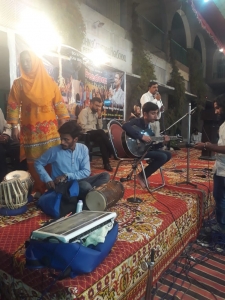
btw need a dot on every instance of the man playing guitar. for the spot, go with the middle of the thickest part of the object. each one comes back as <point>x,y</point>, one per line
<point>159,157</point>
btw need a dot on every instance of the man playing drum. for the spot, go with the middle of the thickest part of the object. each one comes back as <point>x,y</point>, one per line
<point>69,161</point>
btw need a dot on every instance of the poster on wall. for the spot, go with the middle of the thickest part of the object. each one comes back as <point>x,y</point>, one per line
<point>108,86</point>
<point>80,82</point>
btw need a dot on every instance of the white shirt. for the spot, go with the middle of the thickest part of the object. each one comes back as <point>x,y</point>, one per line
<point>118,97</point>
<point>219,167</point>
<point>89,120</point>
<point>148,97</point>
<point>196,138</point>
<point>4,127</point>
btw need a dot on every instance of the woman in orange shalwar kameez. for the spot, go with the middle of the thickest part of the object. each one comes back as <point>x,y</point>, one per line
<point>35,99</point>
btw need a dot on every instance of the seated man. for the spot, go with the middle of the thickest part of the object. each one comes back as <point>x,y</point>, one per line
<point>159,157</point>
<point>69,161</point>
<point>136,113</point>
<point>196,136</point>
<point>5,134</point>
<point>90,119</point>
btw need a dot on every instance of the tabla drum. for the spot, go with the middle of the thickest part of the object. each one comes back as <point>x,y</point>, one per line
<point>24,177</point>
<point>104,196</point>
<point>13,197</point>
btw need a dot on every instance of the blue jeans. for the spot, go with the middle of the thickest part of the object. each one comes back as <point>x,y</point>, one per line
<point>219,196</point>
<point>159,158</point>
<point>87,184</point>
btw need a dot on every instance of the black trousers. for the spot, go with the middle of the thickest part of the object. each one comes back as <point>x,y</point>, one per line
<point>3,168</point>
<point>12,151</point>
<point>101,139</point>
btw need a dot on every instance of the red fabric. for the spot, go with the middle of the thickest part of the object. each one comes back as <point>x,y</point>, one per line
<point>152,224</point>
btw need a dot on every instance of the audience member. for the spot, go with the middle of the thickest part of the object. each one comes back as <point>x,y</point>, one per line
<point>136,113</point>
<point>5,133</point>
<point>90,119</point>
<point>196,136</point>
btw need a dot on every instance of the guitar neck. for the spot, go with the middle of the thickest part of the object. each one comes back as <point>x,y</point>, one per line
<point>161,138</point>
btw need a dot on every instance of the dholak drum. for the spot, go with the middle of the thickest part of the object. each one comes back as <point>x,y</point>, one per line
<point>104,196</point>
<point>13,197</point>
<point>24,177</point>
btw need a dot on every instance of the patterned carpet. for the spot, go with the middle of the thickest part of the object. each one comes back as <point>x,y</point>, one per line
<point>158,222</point>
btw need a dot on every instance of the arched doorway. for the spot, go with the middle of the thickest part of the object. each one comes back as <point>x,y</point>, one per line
<point>199,45</point>
<point>180,37</point>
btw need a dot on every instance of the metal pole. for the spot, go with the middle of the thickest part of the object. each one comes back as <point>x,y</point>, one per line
<point>189,140</point>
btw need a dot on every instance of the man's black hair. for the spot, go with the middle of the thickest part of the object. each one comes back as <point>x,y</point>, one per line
<point>195,130</point>
<point>95,99</point>
<point>151,83</point>
<point>220,101</point>
<point>149,106</point>
<point>71,128</point>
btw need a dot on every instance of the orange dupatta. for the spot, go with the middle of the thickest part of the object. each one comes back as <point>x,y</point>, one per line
<point>37,84</point>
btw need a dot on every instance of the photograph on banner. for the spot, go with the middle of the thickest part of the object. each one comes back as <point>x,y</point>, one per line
<point>109,87</point>
<point>80,82</point>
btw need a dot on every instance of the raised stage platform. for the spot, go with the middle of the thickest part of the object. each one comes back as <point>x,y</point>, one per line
<point>152,224</point>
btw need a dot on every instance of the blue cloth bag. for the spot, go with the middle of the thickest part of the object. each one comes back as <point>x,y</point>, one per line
<point>61,201</point>
<point>71,259</point>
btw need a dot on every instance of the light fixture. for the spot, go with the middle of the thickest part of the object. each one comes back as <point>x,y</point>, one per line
<point>37,31</point>
<point>206,0</point>
<point>98,57</point>
<point>221,49</point>
<point>97,24</point>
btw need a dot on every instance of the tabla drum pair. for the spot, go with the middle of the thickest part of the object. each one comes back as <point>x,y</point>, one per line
<point>24,177</point>
<point>14,192</point>
<point>105,196</point>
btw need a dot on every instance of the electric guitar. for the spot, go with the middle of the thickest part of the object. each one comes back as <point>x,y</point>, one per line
<point>136,148</point>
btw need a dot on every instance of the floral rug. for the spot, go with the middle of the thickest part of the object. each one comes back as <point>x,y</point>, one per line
<point>166,220</point>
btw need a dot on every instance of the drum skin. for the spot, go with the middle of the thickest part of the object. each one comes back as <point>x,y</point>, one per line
<point>105,196</point>
<point>24,177</point>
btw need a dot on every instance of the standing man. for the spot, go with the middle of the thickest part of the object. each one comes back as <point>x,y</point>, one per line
<point>90,119</point>
<point>153,96</point>
<point>159,157</point>
<point>219,167</point>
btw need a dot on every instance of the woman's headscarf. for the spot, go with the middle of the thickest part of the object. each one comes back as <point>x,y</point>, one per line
<point>38,86</point>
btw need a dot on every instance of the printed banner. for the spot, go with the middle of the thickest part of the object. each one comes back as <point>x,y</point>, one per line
<point>79,82</point>
<point>108,86</point>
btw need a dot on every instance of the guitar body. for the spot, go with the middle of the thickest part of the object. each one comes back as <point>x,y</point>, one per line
<point>117,132</point>
<point>136,148</point>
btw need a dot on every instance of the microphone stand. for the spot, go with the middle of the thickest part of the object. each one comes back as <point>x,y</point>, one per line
<point>150,267</point>
<point>134,199</point>
<point>188,148</point>
<point>191,112</point>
